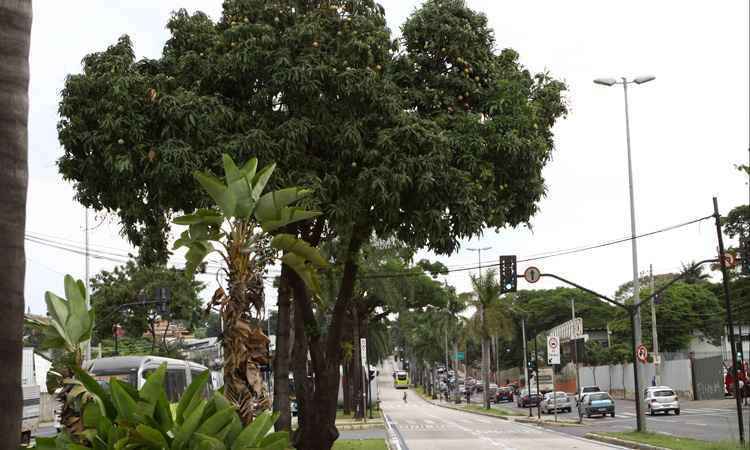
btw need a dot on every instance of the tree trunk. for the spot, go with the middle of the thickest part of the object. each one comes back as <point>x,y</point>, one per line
<point>357,367</point>
<point>164,337</point>
<point>317,424</point>
<point>346,386</point>
<point>15,35</point>
<point>281,358</point>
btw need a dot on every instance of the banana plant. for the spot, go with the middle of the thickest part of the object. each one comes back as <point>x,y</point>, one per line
<point>244,228</point>
<point>123,418</point>
<point>68,327</point>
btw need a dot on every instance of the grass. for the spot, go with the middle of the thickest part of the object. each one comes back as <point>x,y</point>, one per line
<point>365,444</point>
<point>340,414</point>
<point>493,411</point>
<point>674,442</point>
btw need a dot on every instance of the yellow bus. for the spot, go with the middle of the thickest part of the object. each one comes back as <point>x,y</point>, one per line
<point>401,380</point>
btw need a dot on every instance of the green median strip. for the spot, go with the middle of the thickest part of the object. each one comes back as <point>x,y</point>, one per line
<point>364,444</point>
<point>492,411</point>
<point>672,442</point>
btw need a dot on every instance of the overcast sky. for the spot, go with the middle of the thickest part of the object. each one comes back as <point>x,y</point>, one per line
<point>689,129</point>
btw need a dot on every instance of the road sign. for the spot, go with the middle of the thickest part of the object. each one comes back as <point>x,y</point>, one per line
<point>729,260</point>
<point>532,274</point>
<point>642,353</point>
<point>460,356</point>
<point>363,351</point>
<point>553,350</point>
<point>568,330</point>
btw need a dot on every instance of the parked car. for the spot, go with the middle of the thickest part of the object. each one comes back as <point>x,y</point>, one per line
<point>596,403</point>
<point>661,399</point>
<point>556,399</point>
<point>504,394</point>
<point>586,390</point>
<point>526,399</point>
<point>493,391</point>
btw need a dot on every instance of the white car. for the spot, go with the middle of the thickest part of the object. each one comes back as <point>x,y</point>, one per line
<point>560,400</point>
<point>661,399</point>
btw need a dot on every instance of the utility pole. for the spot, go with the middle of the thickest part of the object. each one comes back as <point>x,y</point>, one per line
<point>654,334</point>
<point>730,323</point>
<point>575,346</point>
<point>536,361</point>
<point>87,350</point>
<point>525,359</point>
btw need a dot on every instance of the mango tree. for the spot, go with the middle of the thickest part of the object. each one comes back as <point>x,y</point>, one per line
<point>240,228</point>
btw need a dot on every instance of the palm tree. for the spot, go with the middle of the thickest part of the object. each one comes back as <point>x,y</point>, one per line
<point>243,228</point>
<point>15,36</point>
<point>492,319</point>
<point>693,274</point>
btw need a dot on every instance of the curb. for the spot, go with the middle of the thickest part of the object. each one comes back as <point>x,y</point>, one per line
<point>621,442</point>
<point>360,426</point>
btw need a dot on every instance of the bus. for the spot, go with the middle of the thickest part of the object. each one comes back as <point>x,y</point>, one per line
<point>401,380</point>
<point>134,370</point>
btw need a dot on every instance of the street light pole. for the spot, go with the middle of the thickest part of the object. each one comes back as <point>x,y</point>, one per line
<point>637,337</point>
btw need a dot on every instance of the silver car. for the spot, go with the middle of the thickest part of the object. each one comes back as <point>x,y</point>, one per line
<point>661,399</point>
<point>560,400</point>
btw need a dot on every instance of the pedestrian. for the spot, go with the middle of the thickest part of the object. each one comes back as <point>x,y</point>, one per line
<point>405,397</point>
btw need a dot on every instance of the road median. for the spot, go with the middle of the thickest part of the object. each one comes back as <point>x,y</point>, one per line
<point>659,441</point>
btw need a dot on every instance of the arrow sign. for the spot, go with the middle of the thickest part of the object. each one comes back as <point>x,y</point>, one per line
<point>532,274</point>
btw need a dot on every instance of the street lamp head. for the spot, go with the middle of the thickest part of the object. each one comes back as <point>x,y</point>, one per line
<point>644,79</point>
<point>605,81</point>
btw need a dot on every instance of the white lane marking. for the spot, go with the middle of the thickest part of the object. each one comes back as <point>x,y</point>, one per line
<point>428,422</point>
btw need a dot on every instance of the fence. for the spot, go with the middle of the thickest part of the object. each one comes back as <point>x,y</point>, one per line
<point>618,379</point>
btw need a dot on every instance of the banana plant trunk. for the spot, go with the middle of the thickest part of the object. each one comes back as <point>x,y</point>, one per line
<point>15,36</point>
<point>245,347</point>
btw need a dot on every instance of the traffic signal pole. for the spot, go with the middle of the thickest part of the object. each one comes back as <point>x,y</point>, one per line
<point>632,309</point>
<point>525,360</point>
<point>730,323</point>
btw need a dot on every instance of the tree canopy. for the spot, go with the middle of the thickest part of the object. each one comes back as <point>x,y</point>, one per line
<point>111,289</point>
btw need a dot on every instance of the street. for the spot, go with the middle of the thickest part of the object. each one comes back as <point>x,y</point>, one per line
<point>421,425</point>
<point>711,420</point>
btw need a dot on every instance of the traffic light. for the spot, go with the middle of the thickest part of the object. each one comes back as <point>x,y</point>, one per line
<point>508,274</point>
<point>745,255</point>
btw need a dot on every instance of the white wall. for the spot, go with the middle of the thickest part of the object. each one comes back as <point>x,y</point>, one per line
<point>618,380</point>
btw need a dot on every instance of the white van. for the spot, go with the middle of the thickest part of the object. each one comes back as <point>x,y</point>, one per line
<point>134,370</point>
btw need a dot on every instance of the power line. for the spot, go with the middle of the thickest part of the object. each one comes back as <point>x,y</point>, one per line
<point>556,253</point>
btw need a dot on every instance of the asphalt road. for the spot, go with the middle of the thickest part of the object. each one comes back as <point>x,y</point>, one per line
<point>711,420</point>
<point>420,425</point>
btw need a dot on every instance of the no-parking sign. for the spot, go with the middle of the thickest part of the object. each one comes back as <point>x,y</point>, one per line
<point>553,350</point>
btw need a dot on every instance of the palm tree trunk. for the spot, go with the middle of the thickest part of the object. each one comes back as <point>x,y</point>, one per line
<point>15,37</point>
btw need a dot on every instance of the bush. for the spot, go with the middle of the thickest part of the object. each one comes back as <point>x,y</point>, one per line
<point>123,417</point>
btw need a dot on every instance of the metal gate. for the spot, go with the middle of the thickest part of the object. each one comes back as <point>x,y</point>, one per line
<point>708,378</point>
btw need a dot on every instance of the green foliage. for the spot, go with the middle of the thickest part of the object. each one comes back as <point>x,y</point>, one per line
<point>121,417</point>
<point>240,198</point>
<point>682,311</point>
<point>122,285</point>
<point>400,137</point>
<point>69,323</point>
